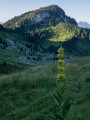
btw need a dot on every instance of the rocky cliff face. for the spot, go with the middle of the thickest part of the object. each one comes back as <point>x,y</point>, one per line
<point>40,17</point>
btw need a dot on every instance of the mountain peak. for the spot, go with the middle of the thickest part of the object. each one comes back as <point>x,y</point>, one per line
<point>53,6</point>
<point>44,17</point>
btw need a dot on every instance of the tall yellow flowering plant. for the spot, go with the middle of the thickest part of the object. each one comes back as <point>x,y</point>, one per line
<point>59,97</point>
<point>61,70</point>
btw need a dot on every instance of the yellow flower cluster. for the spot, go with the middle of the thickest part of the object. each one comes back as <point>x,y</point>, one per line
<point>61,69</point>
<point>60,61</point>
<point>60,50</point>
<point>61,56</point>
<point>61,76</point>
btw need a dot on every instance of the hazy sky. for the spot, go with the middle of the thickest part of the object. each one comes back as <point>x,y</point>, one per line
<point>78,9</point>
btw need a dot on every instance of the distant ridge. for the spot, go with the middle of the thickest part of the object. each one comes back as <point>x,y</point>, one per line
<point>1,23</point>
<point>84,24</point>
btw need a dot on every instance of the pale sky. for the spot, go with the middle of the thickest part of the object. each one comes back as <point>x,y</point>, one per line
<point>78,9</point>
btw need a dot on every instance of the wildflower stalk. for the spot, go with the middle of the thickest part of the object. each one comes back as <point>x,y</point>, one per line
<point>59,97</point>
<point>61,71</point>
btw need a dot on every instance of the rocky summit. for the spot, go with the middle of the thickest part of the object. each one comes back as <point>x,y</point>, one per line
<point>43,17</point>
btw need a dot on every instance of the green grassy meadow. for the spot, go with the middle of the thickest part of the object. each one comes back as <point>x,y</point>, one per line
<point>9,53</point>
<point>26,91</point>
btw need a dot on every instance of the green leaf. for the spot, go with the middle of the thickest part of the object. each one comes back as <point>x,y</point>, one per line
<point>53,118</point>
<point>66,107</point>
<point>59,94</point>
<point>56,117</point>
<point>59,117</point>
<point>57,98</point>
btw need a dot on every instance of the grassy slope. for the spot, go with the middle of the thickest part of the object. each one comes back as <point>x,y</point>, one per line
<point>63,32</point>
<point>74,39</point>
<point>10,66</point>
<point>9,53</point>
<point>27,95</point>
